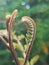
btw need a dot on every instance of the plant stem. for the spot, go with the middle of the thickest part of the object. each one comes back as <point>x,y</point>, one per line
<point>4,42</point>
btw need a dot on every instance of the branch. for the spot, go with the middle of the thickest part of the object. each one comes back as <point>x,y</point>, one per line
<point>4,42</point>
<point>10,25</point>
<point>31,25</point>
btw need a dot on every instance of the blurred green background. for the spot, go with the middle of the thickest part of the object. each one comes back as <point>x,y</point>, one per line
<point>39,11</point>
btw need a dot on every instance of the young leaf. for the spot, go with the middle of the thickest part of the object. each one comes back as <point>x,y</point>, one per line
<point>22,61</point>
<point>34,60</point>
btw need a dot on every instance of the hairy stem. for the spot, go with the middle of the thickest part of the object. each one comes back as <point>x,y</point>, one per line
<point>10,21</point>
<point>31,25</point>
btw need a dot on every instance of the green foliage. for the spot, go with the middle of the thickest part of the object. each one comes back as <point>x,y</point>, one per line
<point>39,11</point>
<point>34,60</point>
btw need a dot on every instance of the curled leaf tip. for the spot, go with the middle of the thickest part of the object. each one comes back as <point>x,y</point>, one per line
<point>22,19</point>
<point>8,16</point>
<point>15,12</point>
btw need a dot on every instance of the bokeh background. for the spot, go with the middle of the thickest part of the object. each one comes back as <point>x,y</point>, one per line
<point>39,11</point>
